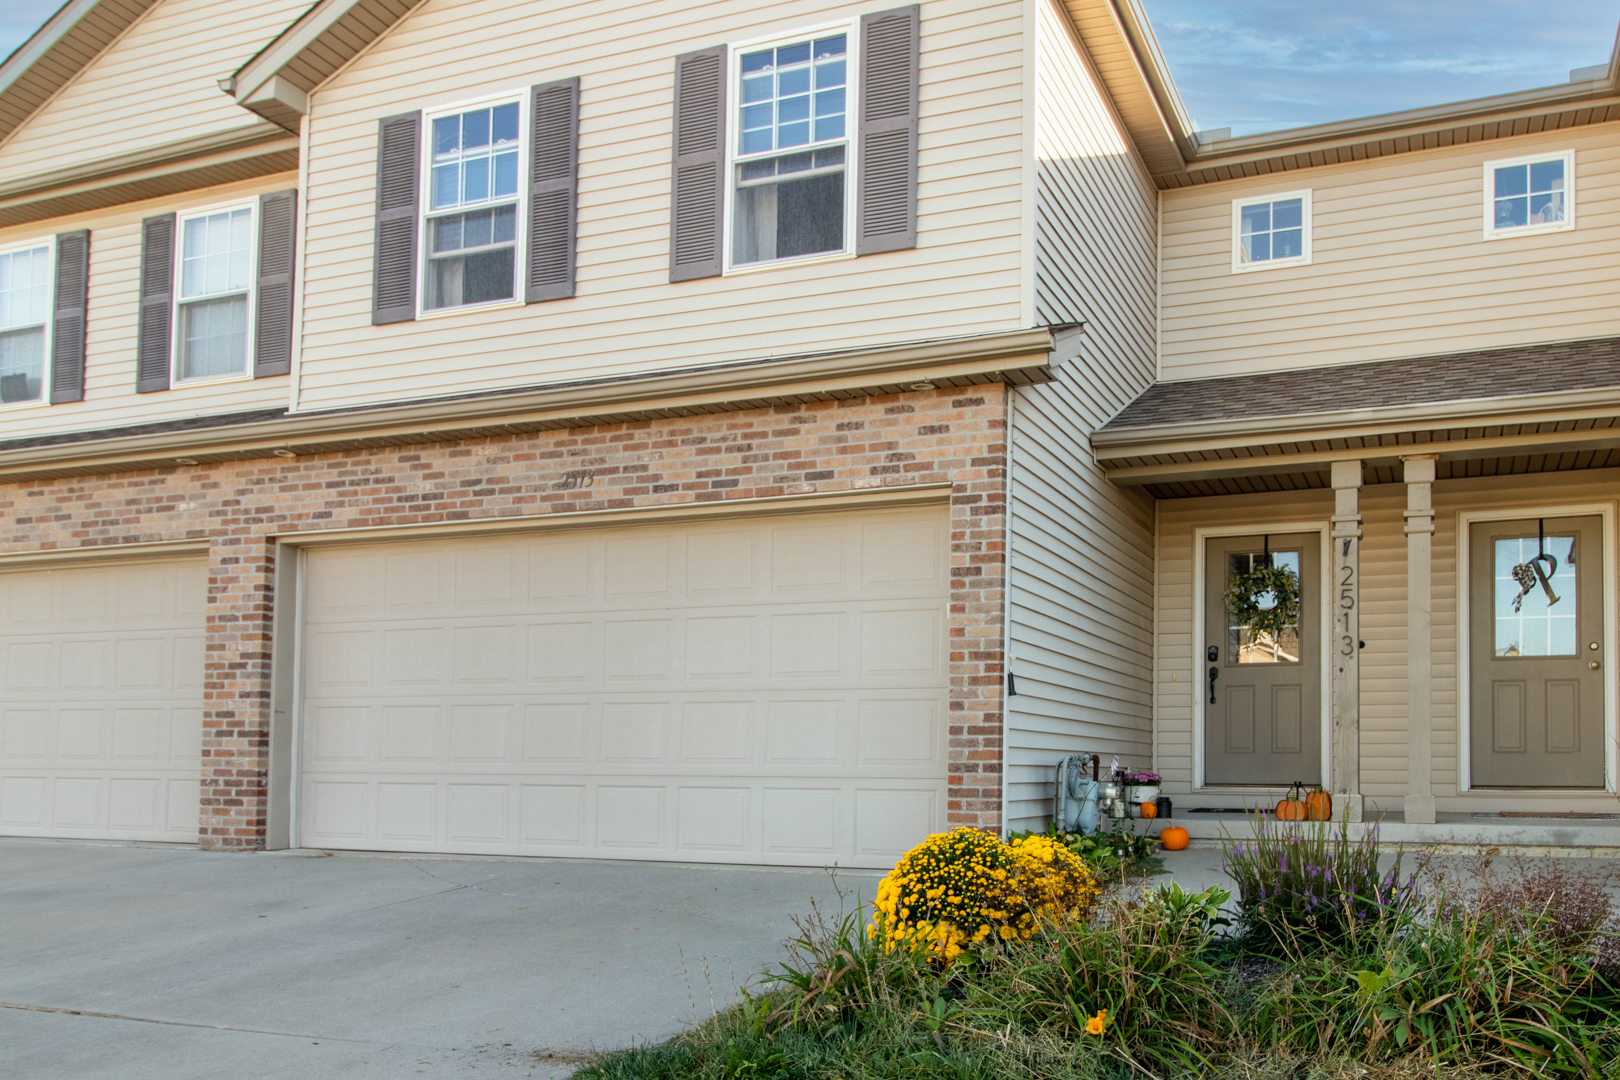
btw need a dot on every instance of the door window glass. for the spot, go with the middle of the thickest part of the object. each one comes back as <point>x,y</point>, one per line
<point>1248,645</point>
<point>1534,596</point>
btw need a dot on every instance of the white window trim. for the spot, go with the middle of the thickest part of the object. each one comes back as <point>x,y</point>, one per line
<point>50,327</point>
<point>180,219</point>
<point>1488,194</point>
<point>734,51</point>
<point>1241,267</point>
<point>424,209</point>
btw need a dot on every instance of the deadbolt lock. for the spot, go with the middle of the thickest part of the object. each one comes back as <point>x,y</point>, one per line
<point>1593,646</point>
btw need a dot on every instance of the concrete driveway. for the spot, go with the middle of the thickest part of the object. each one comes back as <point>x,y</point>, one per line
<point>150,961</point>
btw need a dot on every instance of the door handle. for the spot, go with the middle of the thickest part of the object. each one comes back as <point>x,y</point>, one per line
<point>1214,673</point>
<point>1594,665</point>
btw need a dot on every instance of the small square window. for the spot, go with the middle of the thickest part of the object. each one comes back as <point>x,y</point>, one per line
<point>790,195</point>
<point>1271,231</point>
<point>213,309</point>
<point>1530,195</point>
<point>470,220</point>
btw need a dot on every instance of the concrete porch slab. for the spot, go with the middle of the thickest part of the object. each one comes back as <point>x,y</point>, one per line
<point>1450,834</point>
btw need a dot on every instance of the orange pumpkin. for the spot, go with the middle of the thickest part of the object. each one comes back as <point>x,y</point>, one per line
<point>1174,838</point>
<point>1150,810</point>
<point>1291,808</point>
<point>1319,805</point>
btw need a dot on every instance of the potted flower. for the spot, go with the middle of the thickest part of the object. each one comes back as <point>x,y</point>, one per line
<point>1141,786</point>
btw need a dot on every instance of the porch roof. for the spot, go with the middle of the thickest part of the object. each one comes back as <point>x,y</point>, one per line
<point>1530,408</point>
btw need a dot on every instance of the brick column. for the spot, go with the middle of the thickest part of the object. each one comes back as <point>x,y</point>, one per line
<point>978,584</point>
<point>236,693</point>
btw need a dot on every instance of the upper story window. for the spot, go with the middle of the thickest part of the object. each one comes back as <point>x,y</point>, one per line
<point>213,312</point>
<point>25,316</point>
<point>793,148</point>
<point>471,216</point>
<point>1530,195</point>
<point>1271,231</point>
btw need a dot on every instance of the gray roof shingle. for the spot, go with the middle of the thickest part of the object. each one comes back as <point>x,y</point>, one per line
<point>1529,369</point>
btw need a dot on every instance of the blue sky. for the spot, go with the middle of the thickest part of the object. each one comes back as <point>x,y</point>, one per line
<point>1264,65</point>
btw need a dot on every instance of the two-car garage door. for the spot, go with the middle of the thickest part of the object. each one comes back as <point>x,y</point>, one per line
<point>770,690</point>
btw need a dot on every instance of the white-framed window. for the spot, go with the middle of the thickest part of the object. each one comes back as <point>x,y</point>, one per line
<point>213,316</point>
<point>25,323</point>
<point>791,147</point>
<point>1271,231</point>
<point>472,217</point>
<point>1532,194</point>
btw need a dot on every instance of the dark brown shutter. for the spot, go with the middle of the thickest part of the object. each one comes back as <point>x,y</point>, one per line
<point>886,184</point>
<point>553,189</point>
<point>399,140</point>
<point>157,304</point>
<point>68,319</point>
<point>273,319</point>
<point>697,201</point>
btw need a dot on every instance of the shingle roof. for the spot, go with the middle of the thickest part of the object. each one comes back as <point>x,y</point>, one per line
<point>1469,376</point>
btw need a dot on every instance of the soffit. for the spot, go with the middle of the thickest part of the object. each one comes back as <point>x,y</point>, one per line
<point>58,51</point>
<point>1117,35</point>
<point>1017,358</point>
<point>1540,408</point>
<point>276,82</point>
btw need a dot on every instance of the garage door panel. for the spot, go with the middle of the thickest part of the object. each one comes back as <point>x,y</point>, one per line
<point>714,693</point>
<point>31,665</point>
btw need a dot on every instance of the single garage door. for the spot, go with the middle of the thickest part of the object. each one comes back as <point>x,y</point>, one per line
<point>103,675</point>
<point>756,691</point>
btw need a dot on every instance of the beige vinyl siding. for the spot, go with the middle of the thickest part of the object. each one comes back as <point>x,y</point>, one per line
<point>110,400</point>
<point>1082,548</point>
<point>1399,265</point>
<point>1383,625</point>
<point>155,85</point>
<point>627,316</point>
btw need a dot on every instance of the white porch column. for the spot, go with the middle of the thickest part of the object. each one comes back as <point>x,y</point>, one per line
<point>1345,637</point>
<point>1419,476</point>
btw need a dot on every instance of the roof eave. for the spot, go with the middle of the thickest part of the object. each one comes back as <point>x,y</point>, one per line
<point>69,39</point>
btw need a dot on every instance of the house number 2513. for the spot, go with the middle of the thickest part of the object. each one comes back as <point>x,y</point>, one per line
<point>1347,603</point>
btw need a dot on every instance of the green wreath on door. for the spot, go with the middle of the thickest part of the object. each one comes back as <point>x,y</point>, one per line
<point>1243,595</point>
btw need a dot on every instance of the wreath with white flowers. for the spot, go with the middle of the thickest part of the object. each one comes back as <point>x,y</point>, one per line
<point>1243,595</point>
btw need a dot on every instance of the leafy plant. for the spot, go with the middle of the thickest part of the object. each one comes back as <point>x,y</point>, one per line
<point>1305,883</point>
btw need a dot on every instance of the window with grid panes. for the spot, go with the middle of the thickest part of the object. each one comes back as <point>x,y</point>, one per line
<point>472,207</point>
<point>25,312</point>
<point>791,150</point>
<point>212,299</point>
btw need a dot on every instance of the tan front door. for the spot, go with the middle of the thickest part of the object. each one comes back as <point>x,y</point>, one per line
<point>1536,645</point>
<point>1262,692</point>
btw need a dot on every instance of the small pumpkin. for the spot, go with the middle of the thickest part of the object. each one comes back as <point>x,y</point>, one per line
<point>1150,810</point>
<point>1319,805</point>
<point>1174,838</point>
<point>1292,807</point>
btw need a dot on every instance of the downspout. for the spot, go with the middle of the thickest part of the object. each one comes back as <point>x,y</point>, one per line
<point>1010,395</point>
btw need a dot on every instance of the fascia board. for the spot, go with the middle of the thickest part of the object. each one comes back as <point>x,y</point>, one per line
<point>205,150</point>
<point>1213,435</point>
<point>1023,353</point>
<point>1412,123</point>
<point>67,27</point>
<point>265,84</point>
<point>1272,464</point>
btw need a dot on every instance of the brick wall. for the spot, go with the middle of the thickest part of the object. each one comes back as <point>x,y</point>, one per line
<point>925,437</point>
